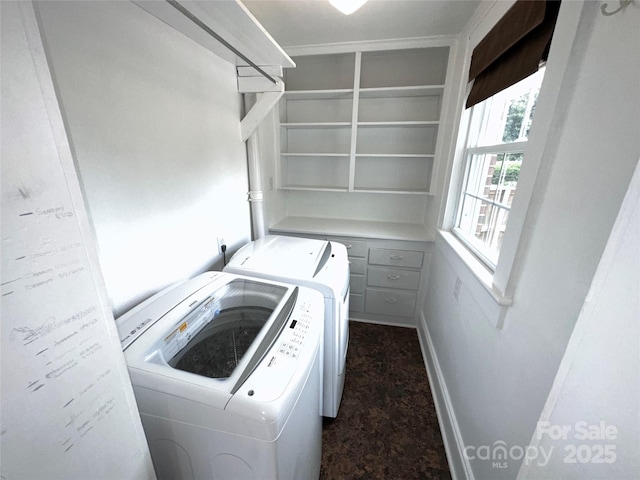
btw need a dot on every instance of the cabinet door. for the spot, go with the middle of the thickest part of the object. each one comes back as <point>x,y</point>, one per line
<point>357,265</point>
<point>356,282</point>
<point>356,303</point>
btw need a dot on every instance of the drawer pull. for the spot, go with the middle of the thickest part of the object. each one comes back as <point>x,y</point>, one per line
<point>391,300</point>
<point>395,257</point>
<point>393,277</point>
<point>348,246</point>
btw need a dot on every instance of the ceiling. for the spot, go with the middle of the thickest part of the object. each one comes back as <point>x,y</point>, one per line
<point>314,22</point>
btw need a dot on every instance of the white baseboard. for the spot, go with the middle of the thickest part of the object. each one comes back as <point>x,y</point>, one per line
<point>390,322</point>
<point>453,444</point>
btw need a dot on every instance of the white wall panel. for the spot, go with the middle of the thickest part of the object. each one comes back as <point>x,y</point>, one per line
<point>154,122</point>
<point>498,380</point>
<point>67,407</point>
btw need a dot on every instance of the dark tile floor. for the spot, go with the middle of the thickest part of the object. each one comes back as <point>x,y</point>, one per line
<point>387,426</point>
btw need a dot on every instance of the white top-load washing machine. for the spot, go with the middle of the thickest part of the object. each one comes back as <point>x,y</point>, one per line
<point>226,371</point>
<point>322,265</point>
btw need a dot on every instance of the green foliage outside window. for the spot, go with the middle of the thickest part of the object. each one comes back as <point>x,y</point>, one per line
<point>517,109</point>
<point>511,174</point>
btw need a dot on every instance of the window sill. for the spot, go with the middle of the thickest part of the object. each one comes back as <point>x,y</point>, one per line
<point>475,277</point>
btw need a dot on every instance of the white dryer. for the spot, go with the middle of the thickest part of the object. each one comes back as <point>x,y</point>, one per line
<point>226,371</point>
<point>318,264</point>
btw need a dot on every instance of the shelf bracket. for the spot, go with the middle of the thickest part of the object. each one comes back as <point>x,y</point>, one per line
<point>267,96</point>
<point>264,103</point>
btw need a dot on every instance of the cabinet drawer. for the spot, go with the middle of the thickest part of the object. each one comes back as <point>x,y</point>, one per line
<point>356,302</point>
<point>357,265</point>
<point>355,248</point>
<point>393,278</point>
<point>357,284</point>
<point>387,302</point>
<point>396,258</point>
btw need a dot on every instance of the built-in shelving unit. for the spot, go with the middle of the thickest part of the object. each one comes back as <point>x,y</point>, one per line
<point>364,121</point>
<point>358,157</point>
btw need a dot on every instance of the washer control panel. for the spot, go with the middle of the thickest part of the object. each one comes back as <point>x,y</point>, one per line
<point>293,340</point>
<point>301,328</point>
<point>291,355</point>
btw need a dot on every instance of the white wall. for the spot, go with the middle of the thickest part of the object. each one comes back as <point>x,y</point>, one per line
<point>67,407</point>
<point>154,122</point>
<point>496,381</point>
<point>590,425</point>
<point>365,206</point>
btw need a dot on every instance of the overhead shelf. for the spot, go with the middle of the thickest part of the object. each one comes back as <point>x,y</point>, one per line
<point>229,19</point>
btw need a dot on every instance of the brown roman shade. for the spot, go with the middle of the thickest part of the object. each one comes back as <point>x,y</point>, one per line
<point>513,49</point>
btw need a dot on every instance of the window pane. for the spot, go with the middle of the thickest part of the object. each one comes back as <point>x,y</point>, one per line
<point>515,118</point>
<point>491,184</point>
<point>483,224</point>
<point>508,114</point>
<point>504,178</point>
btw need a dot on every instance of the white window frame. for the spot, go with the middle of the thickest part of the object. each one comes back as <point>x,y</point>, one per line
<point>494,290</point>
<point>479,120</point>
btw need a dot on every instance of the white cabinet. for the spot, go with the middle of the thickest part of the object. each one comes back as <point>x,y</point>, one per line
<point>388,277</point>
<point>363,121</point>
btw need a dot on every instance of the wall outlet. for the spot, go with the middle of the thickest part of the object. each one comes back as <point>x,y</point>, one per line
<point>456,289</point>
<point>220,243</point>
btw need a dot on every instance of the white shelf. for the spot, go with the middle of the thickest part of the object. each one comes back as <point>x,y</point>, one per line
<point>396,155</point>
<point>314,188</point>
<point>391,190</point>
<point>293,154</point>
<point>318,94</point>
<point>416,123</point>
<point>315,124</point>
<point>354,228</point>
<point>385,127</point>
<point>397,92</point>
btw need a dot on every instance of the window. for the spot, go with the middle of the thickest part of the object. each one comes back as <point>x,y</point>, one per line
<point>496,139</point>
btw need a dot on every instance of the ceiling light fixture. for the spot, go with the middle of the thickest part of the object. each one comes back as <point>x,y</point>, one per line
<point>347,6</point>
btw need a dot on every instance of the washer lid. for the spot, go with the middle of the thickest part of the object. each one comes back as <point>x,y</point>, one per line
<point>288,256</point>
<point>228,334</point>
